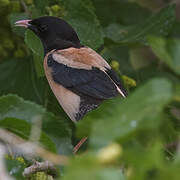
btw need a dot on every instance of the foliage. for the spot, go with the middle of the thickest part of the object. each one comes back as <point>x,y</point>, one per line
<point>132,138</point>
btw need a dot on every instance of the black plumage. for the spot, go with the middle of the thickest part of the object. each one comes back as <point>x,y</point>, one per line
<point>94,83</point>
<point>117,80</point>
<point>55,33</point>
<point>93,86</point>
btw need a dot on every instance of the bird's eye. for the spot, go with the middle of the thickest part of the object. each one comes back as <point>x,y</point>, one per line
<point>42,28</point>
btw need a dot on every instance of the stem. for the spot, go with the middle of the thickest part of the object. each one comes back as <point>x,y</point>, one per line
<point>25,7</point>
<point>81,142</point>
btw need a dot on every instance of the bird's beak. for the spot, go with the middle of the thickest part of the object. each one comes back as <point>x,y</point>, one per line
<point>23,23</point>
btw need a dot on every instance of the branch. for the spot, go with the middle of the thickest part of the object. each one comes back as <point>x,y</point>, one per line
<point>25,7</point>
<point>31,149</point>
<point>46,167</point>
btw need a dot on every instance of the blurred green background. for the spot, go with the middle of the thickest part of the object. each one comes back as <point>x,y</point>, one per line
<point>132,138</point>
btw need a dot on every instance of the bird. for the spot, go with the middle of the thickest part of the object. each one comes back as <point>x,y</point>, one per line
<point>78,76</point>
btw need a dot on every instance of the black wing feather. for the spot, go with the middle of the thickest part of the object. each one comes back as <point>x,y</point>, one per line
<point>117,80</point>
<point>94,83</point>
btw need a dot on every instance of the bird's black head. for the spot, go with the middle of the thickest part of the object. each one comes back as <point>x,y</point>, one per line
<point>54,32</point>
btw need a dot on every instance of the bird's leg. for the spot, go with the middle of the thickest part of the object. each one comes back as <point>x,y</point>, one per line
<point>81,142</point>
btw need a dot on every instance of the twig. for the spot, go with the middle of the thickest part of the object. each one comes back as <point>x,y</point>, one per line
<point>45,166</point>
<point>172,145</point>
<point>31,149</point>
<point>25,7</point>
<point>76,148</point>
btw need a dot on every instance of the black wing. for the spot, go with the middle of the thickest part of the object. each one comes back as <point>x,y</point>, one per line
<point>94,83</point>
<point>117,81</point>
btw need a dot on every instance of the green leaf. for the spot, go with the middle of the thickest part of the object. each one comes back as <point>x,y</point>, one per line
<point>56,128</point>
<point>174,33</point>
<point>23,129</point>
<point>158,24</point>
<point>167,50</point>
<point>19,77</point>
<point>120,11</point>
<point>41,5</point>
<point>120,54</point>
<point>87,167</point>
<point>170,172</point>
<point>34,43</point>
<point>13,17</point>
<point>38,63</point>
<point>15,168</point>
<point>82,17</point>
<point>177,92</point>
<point>140,110</point>
<point>153,156</point>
